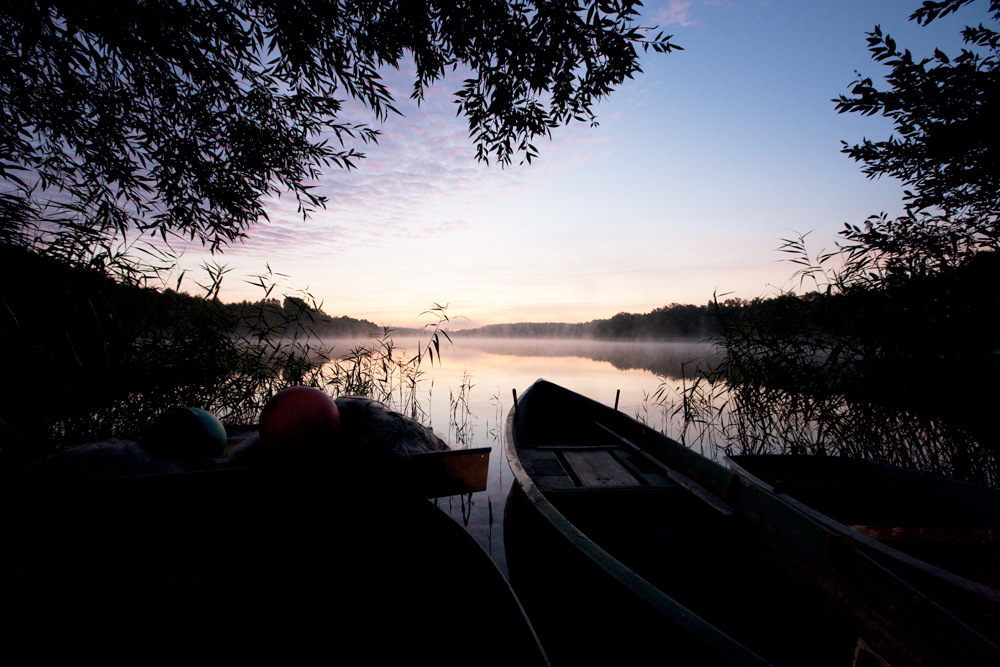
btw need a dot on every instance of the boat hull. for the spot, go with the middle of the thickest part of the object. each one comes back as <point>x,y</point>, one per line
<point>941,534</point>
<point>251,564</point>
<point>693,542</point>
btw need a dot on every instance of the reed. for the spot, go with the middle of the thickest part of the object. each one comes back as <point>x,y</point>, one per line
<point>461,420</point>
<point>99,354</point>
<point>843,371</point>
<point>495,434</point>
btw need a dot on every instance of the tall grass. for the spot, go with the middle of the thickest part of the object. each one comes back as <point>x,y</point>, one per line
<point>890,373</point>
<point>461,420</point>
<point>717,413</point>
<point>94,355</point>
<point>381,370</point>
<point>285,351</point>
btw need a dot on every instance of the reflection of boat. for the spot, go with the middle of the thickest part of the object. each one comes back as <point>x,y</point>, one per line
<point>940,533</point>
<point>252,563</point>
<point>621,541</point>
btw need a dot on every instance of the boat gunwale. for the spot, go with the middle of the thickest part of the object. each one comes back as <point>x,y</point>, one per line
<point>980,590</point>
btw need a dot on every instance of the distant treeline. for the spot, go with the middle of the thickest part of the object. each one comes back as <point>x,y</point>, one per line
<point>673,322</point>
<point>294,317</point>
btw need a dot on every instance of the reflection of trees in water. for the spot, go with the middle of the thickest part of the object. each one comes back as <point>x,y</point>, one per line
<point>661,358</point>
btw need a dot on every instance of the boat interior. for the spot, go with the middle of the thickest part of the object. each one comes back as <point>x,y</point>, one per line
<point>663,527</point>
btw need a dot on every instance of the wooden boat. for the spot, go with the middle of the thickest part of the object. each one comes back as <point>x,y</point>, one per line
<point>286,564</point>
<point>940,533</point>
<point>621,541</point>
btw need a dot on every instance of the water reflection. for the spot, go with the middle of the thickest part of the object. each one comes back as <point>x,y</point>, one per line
<point>668,359</point>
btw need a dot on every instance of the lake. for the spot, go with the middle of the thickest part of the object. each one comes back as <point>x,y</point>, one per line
<point>468,394</point>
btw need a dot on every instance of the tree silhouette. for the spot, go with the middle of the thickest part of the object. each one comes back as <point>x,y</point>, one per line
<point>947,152</point>
<point>181,117</point>
<point>895,353</point>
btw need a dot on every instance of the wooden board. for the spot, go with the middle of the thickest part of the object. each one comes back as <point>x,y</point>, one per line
<point>598,468</point>
<point>450,473</point>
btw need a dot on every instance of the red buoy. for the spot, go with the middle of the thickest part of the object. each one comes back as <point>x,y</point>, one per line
<point>299,419</point>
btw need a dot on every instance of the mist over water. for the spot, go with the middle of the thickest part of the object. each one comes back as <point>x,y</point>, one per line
<point>667,359</point>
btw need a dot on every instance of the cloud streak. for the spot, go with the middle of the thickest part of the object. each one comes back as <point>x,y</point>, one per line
<point>697,170</point>
<point>420,181</point>
<point>676,12</point>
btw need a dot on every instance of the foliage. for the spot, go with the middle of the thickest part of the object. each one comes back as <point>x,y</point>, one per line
<point>381,370</point>
<point>94,357</point>
<point>898,373</point>
<point>893,356</point>
<point>671,322</point>
<point>946,153</point>
<point>168,118</point>
<point>295,317</point>
<point>89,355</point>
<point>183,117</point>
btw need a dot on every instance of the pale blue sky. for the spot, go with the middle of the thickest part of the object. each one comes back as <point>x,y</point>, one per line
<point>698,168</point>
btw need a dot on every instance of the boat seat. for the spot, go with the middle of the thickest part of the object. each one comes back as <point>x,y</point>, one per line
<point>569,466</point>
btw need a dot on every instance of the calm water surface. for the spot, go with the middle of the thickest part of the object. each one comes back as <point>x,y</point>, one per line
<point>493,367</point>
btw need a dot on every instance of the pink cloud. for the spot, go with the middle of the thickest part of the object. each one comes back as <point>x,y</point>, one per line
<point>676,12</point>
<point>420,181</point>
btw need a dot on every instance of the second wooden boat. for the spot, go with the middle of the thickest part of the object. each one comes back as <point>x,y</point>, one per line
<point>623,544</point>
<point>941,534</point>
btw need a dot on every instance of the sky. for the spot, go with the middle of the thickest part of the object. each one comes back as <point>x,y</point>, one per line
<point>699,167</point>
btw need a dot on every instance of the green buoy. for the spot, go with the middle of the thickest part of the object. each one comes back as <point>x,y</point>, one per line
<point>185,434</point>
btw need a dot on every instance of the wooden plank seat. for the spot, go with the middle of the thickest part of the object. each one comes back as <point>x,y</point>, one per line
<point>609,465</point>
